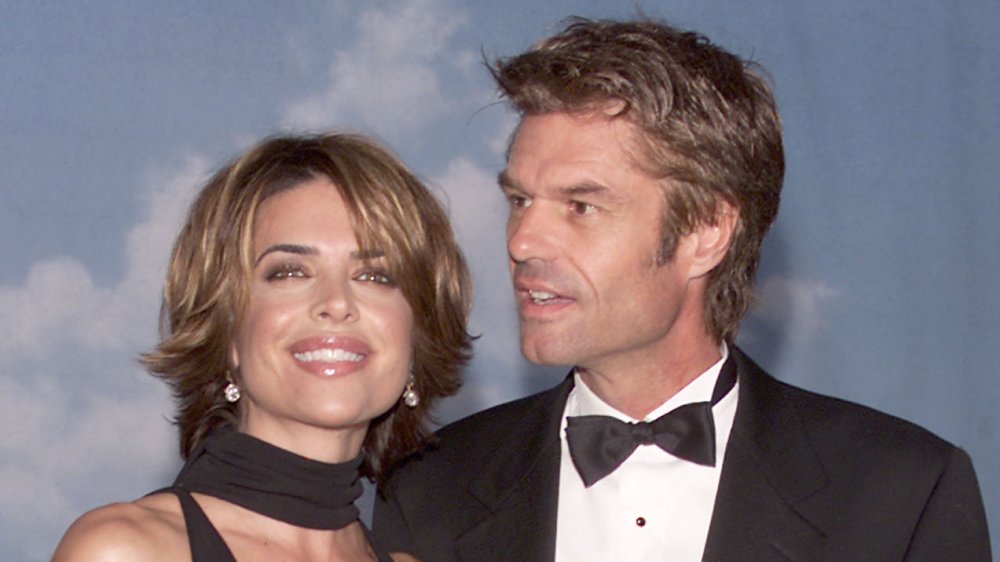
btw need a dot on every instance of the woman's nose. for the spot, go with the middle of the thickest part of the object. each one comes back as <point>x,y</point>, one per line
<point>335,301</point>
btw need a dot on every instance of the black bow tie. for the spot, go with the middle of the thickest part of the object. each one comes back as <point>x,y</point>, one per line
<point>599,444</point>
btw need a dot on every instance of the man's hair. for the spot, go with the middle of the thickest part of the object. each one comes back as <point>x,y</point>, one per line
<point>207,284</point>
<point>706,123</point>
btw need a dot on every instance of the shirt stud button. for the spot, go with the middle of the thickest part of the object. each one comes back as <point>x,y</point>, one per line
<point>640,521</point>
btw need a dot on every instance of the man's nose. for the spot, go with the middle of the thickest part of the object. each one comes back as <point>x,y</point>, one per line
<point>530,234</point>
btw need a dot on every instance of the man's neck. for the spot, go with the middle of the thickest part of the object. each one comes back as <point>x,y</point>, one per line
<point>637,386</point>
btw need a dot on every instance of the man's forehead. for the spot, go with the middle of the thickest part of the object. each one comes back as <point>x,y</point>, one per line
<point>575,153</point>
<point>616,129</point>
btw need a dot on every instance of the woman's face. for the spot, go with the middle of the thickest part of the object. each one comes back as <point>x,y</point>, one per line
<point>325,341</point>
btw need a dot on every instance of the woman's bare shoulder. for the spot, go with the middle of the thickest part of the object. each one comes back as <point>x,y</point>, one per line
<point>151,528</point>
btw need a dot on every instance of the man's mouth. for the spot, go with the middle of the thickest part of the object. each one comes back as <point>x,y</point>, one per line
<point>541,297</point>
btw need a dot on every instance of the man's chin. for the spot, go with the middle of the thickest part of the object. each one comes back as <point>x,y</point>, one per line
<point>546,353</point>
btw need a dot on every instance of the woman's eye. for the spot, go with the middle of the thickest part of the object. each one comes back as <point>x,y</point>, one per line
<point>374,276</point>
<point>285,271</point>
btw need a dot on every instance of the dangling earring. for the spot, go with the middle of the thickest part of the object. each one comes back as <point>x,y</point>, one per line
<point>410,396</point>
<point>232,392</point>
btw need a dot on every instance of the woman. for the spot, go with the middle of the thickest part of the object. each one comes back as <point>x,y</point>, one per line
<point>315,308</point>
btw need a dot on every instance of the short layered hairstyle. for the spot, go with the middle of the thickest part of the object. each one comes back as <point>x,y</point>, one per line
<point>706,125</point>
<point>207,283</point>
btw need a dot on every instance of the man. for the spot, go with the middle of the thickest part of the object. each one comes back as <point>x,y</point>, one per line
<point>642,179</point>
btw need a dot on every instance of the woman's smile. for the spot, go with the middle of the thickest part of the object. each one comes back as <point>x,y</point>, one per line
<point>329,356</point>
<point>325,341</point>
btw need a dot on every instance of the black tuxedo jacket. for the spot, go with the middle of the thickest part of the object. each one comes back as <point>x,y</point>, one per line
<point>805,477</point>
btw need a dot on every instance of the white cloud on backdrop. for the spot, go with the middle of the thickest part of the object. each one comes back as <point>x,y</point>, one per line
<point>500,141</point>
<point>394,80</point>
<point>105,438</point>
<point>390,78</point>
<point>59,296</point>
<point>799,307</point>
<point>68,377</point>
<point>81,423</point>
<point>76,411</point>
<point>51,461</point>
<point>478,214</point>
<point>477,209</point>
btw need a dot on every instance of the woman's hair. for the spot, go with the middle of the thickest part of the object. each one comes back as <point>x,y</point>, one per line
<point>706,125</point>
<point>207,284</point>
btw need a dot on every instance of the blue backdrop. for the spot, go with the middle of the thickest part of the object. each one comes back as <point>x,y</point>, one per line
<point>878,283</point>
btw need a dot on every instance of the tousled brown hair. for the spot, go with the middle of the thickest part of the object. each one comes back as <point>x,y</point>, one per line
<point>707,126</point>
<point>207,283</point>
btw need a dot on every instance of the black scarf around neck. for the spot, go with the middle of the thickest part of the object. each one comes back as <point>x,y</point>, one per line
<point>279,484</point>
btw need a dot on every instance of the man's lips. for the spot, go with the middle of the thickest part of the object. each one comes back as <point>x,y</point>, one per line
<point>330,355</point>
<point>541,299</point>
<point>538,291</point>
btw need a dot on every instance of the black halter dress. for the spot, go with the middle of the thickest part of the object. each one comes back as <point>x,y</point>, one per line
<point>276,483</point>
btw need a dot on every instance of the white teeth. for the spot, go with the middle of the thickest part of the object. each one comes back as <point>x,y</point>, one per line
<point>328,356</point>
<point>540,297</point>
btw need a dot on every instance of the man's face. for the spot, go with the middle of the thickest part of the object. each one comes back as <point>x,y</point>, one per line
<point>582,236</point>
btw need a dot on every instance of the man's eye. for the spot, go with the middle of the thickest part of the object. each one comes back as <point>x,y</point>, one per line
<point>284,271</point>
<point>374,276</point>
<point>580,208</point>
<point>518,201</point>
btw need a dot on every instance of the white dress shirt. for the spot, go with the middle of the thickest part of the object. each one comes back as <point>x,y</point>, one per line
<point>654,506</point>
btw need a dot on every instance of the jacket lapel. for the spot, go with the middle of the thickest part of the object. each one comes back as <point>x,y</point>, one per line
<point>520,488</point>
<point>770,470</point>
<point>761,510</point>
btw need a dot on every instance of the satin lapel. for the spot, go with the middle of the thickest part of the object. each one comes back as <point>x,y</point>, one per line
<point>769,472</point>
<point>520,488</point>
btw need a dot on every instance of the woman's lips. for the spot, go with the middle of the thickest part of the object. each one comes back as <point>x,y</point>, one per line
<point>328,356</point>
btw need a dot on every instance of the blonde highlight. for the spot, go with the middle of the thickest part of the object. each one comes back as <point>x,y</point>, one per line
<point>206,287</point>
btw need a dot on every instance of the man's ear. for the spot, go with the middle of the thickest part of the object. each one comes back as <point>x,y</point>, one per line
<point>711,240</point>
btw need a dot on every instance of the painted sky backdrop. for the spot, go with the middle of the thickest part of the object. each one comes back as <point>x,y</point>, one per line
<point>878,283</point>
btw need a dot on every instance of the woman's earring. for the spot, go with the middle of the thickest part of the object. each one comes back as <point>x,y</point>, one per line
<point>410,396</point>
<point>232,393</point>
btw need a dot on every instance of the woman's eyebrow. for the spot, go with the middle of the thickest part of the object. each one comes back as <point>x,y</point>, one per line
<point>301,250</point>
<point>369,255</point>
<point>296,249</point>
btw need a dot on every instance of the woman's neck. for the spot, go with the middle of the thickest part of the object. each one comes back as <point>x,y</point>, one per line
<point>277,483</point>
<point>329,445</point>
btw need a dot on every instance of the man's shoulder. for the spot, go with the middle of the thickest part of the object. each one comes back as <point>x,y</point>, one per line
<point>525,411</point>
<point>837,425</point>
<point>847,425</point>
<point>855,472</point>
<point>459,446</point>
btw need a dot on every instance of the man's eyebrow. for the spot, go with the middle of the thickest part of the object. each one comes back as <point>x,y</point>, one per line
<point>301,250</point>
<point>584,189</point>
<point>505,181</point>
<point>296,249</point>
